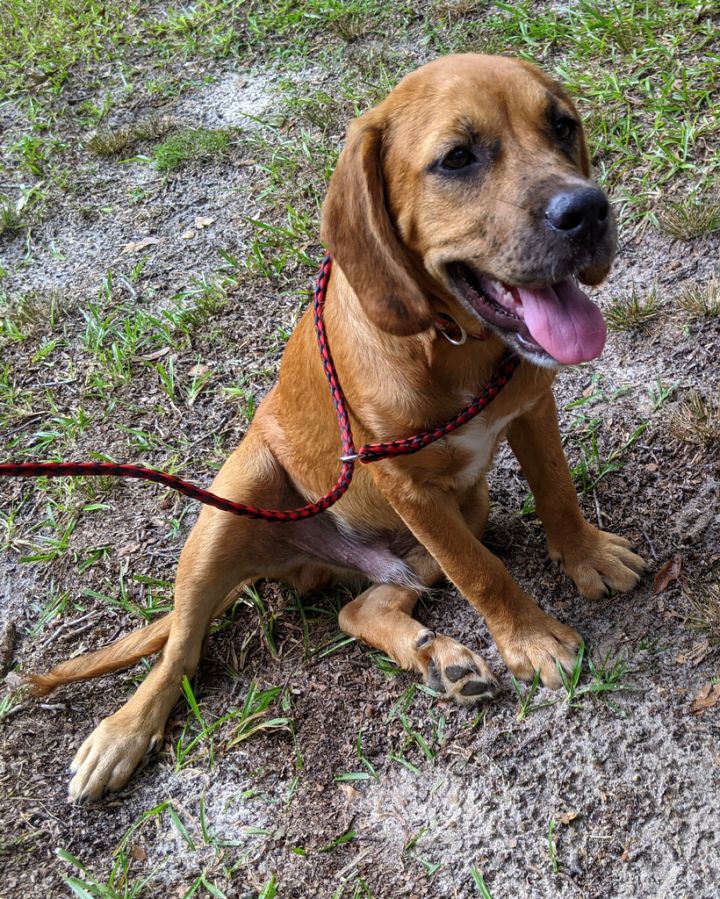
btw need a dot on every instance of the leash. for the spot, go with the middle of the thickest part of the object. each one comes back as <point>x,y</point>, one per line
<point>371,452</point>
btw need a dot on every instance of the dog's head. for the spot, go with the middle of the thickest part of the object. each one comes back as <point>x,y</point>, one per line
<point>468,188</point>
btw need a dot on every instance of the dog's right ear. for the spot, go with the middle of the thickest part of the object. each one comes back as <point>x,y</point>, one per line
<point>357,229</point>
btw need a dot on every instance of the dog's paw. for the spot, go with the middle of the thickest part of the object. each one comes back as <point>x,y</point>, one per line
<point>539,643</point>
<point>107,759</point>
<point>453,670</point>
<point>600,561</point>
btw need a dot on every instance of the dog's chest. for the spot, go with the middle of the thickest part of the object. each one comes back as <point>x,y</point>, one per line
<point>472,447</point>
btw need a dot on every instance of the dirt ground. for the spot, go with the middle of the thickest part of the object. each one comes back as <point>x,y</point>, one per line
<point>369,785</point>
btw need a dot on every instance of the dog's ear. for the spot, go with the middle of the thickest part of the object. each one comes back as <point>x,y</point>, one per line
<point>357,229</point>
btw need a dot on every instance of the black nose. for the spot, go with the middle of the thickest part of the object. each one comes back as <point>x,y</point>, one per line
<point>583,212</point>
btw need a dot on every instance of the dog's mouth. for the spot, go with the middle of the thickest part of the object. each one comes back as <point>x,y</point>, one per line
<point>554,324</point>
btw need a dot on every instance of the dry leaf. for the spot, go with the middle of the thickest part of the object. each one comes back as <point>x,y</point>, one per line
<point>187,235</point>
<point>136,245</point>
<point>350,792</point>
<point>158,354</point>
<point>696,654</point>
<point>128,549</point>
<point>707,697</point>
<point>197,371</point>
<point>13,680</point>
<point>668,573</point>
<point>567,817</point>
<point>138,853</point>
<point>203,222</point>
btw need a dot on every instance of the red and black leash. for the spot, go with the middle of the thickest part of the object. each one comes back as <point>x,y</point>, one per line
<point>372,452</point>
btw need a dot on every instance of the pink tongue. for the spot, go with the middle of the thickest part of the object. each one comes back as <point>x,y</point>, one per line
<point>564,321</point>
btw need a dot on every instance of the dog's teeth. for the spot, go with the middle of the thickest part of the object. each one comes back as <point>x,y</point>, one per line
<point>501,292</point>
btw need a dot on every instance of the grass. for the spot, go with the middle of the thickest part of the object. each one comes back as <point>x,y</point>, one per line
<point>634,312</point>
<point>122,881</point>
<point>118,883</point>
<point>690,218</point>
<point>596,461</point>
<point>607,676</point>
<point>700,300</point>
<point>139,596</point>
<point>525,694</point>
<point>10,217</point>
<point>116,141</point>
<point>199,736</point>
<point>696,420</point>
<point>191,145</point>
<point>704,601</point>
<point>552,847</point>
<point>42,43</point>
<point>591,459</point>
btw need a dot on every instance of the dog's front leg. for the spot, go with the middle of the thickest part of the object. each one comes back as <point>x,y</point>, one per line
<point>596,560</point>
<point>527,638</point>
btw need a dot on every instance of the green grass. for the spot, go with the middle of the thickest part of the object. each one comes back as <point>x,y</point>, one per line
<point>606,676</point>
<point>119,883</point>
<point>645,74</point>
<point>200,737</point>
<point>552,846</point>
<point>42,42</point>
<point>479,883</point>
<point>191,145</point>
<point>595,459</point>
<point>10,216</point>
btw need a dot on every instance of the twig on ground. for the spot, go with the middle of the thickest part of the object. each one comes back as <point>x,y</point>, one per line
<point>65,624</point>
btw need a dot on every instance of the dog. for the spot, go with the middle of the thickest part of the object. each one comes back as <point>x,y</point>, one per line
<point>464,198</point>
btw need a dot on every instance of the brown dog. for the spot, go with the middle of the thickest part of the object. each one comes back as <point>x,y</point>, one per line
<point>466,193</point>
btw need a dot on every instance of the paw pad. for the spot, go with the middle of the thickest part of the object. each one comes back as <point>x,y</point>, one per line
<point>454,673</point>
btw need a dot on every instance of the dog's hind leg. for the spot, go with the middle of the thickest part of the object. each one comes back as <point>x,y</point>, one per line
<point>382,617</point>
<point>222,552</point>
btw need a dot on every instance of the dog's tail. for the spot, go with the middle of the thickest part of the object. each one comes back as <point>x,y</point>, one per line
<point>121,654</point>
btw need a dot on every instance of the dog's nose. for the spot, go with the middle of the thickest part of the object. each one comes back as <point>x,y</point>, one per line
<point>579,213</point>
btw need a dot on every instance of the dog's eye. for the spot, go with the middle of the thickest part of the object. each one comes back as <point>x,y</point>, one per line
<point>459,158</point>
<point>565,129</point>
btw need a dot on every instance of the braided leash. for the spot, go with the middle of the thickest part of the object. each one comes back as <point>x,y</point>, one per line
<point>371,452</point>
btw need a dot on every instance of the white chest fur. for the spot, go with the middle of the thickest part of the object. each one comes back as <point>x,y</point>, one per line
<point>477,441</point>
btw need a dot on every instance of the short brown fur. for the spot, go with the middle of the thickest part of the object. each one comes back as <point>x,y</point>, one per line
<point>392,227</point>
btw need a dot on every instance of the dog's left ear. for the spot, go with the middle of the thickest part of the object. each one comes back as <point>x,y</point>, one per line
<point>357,229</point>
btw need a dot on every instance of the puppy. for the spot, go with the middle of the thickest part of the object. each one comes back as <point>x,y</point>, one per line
<point>461,207</point>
